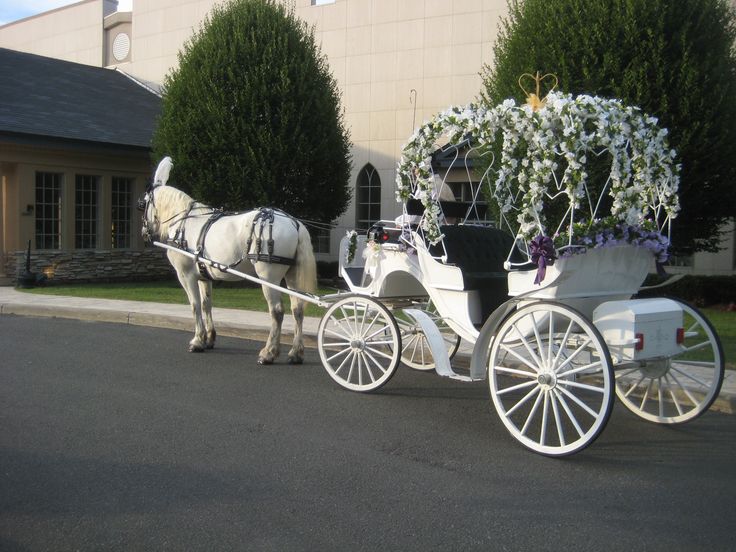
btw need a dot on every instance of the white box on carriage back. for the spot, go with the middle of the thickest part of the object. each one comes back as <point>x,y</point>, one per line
<point>640,329</point>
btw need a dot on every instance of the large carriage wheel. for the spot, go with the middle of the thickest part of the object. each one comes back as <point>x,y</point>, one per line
<point>551,378</point>
<point>679,388</point>
<point>415,352</point>
<point>359,343</point>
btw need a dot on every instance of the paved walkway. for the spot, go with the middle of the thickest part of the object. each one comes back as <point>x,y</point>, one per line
<point>228,322</point>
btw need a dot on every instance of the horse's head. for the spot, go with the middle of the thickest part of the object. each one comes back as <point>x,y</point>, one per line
<point>147,203</point>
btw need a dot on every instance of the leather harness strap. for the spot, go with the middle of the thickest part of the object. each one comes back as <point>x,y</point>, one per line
<point>202,267</point>
<point>264,216</point>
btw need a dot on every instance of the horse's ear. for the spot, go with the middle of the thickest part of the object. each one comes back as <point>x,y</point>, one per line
<point>162,172</point>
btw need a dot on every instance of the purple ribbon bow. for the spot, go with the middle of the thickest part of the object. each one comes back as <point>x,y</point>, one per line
<point>542,250</point>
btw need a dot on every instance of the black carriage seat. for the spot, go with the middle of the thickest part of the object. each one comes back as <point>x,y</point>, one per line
<point>480,253</point>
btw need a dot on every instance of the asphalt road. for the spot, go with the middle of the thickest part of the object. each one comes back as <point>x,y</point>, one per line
<point>115,438</point>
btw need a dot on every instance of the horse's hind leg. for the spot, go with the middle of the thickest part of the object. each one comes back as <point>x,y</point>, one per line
<point>296,354</point>
<point>276,309</point>
<point>205,292</point>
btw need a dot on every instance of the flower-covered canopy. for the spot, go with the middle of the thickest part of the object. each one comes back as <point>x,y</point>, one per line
<point>541,157</point>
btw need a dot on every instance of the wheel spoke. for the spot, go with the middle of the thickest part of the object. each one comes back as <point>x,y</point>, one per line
<point>634,386</point>
<point>336,333</point>
<point>351,356</point>
<point>579,385</point>
<point>575,353</point>
<point>577,401</point>
<point>690,377</point>
<point>570,416</point>
<point>517,387</point>
<point>696,347</point>
<point>581,369</point>
<point>646,395</point>
<point>368,370</point>
<point>660,398</point>
<point>346,319</point>
<point>337,354</point>
<point>523,401</point>
<point>543,428</point>
<point>528,348</point>
<point>515,372</point>
<point>684,389</point>
<point>558,421</point>
<point>364,330</point>
<point>680,411</point>
<point>375,362</point>
<point>519,357</point>
<point>378,352</point>
<point>531,413</point>
<point>563,343</point>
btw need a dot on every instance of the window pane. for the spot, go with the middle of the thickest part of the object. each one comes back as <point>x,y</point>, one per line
<point>48,210</point>
<point>85,208</point>
<point>122,190</point>
<point>368,195</point>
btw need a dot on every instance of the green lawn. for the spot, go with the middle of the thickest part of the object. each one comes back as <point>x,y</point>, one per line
<point>226,296</point>
<point>239,297</point>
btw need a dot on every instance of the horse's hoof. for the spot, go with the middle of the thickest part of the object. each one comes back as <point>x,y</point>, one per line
<point>296,360</point>
<point>210,346</point>
<point>264,361</point>
<point>196,349</point>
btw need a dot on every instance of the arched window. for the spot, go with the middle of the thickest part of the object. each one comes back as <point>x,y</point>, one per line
<point>368,203</point>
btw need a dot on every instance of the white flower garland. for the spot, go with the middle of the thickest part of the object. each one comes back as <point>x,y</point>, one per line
<point>539,146</point>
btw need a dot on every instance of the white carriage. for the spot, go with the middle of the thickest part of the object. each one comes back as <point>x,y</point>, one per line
<point>541,288</point>
<point>551,321</point>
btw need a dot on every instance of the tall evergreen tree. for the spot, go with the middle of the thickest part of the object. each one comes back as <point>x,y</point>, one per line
<point>252,116</point>
<point>674,59</point>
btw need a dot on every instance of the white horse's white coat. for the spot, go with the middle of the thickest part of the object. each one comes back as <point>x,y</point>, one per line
<point>172,216</point>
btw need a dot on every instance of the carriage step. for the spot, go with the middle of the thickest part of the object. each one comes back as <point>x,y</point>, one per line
<point>460,377</point>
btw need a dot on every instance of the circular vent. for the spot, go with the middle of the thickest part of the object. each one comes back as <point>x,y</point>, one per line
<point>121,46</point>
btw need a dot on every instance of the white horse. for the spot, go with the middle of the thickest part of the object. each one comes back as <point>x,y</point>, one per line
<point>265,243</point>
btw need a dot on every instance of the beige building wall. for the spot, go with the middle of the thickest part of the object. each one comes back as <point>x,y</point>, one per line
<point>73,33</point>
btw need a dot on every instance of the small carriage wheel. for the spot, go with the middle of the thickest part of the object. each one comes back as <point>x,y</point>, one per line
<point>680,388</point>
<point>415,352</point>
<point>551,378</point>
<point>359,343</point>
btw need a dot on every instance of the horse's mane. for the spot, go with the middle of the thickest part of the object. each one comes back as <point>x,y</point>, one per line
<point>171,202</point>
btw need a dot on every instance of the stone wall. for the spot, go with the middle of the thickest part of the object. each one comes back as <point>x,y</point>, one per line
<point>93,265</point>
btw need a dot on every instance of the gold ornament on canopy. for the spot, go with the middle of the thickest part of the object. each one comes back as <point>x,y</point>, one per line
<point>533,99</point>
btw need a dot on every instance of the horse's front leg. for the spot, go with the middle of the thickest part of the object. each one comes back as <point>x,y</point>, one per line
<point>272,348</point>
<point>205,292</point>
<point>296,354</point>
<point>188,281</point>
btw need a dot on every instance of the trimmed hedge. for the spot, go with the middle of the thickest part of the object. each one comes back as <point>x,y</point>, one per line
<point>702,291</point>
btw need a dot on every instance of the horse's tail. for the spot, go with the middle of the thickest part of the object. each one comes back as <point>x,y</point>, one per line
<point>305,264</point>
<point>161,177</point>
